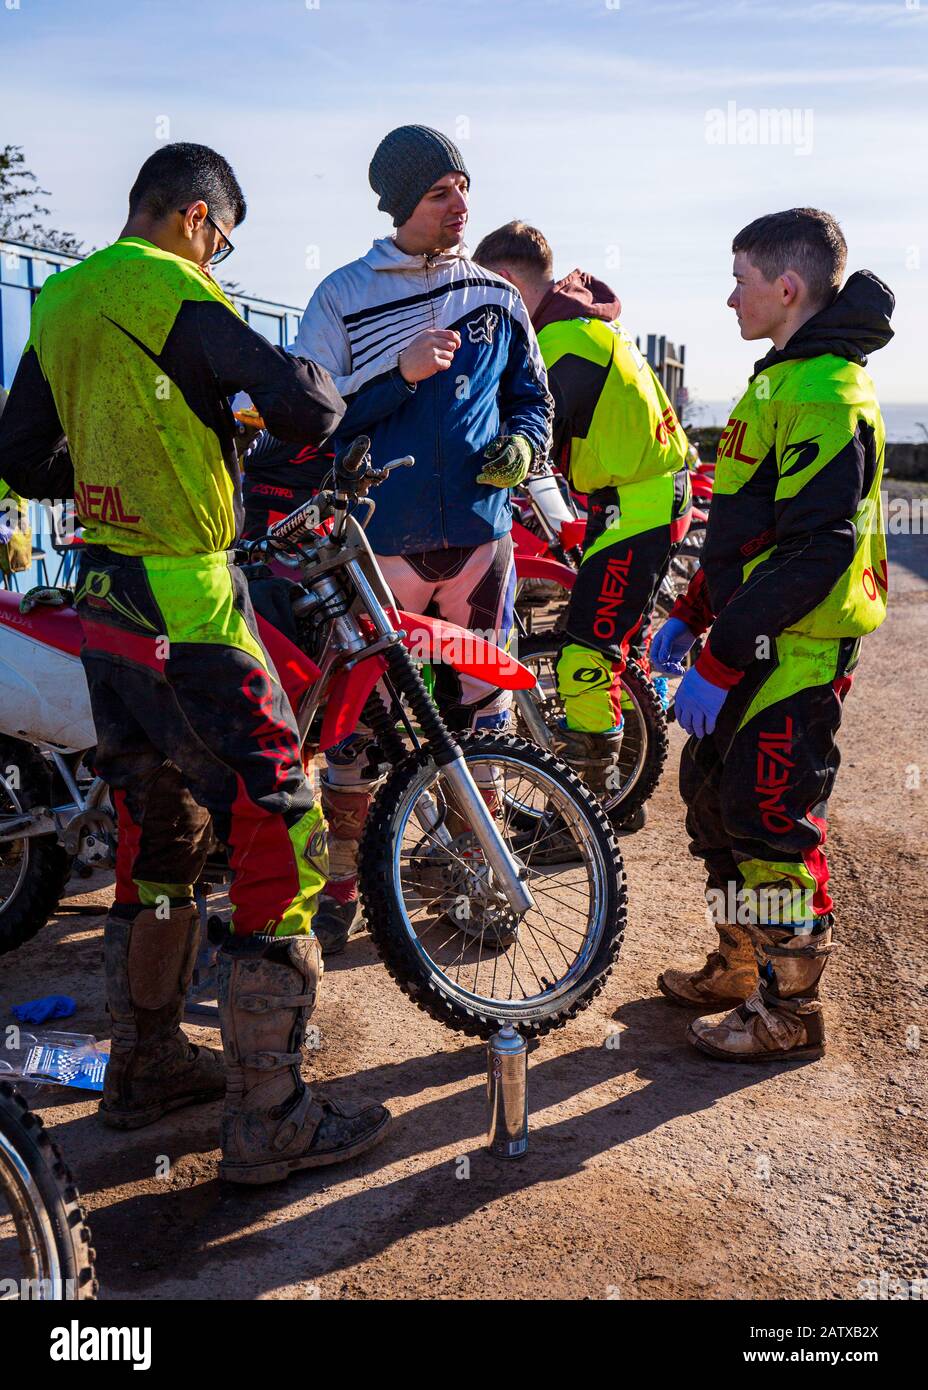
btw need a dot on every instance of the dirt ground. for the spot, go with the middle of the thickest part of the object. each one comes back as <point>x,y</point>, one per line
<point>653,1172</point>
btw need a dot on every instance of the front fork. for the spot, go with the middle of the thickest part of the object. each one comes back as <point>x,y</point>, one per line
<point>453,771</point>
<point>450,761</point>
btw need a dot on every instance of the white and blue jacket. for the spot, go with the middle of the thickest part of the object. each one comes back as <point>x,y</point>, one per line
<point>356,324</point>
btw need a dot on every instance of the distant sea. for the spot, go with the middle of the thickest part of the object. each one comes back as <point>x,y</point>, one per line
<point>900,418</point>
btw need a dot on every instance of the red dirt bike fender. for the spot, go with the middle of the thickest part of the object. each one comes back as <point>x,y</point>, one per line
<point>433,639</point>
<point>346,698</point>
<point>526,542</point>
<point>573,532</point>
<point>701,486</point>
<point>537,567</point>
<point>296,670</point>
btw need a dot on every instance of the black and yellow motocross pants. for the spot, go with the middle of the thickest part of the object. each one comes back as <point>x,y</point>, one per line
<point>632,534</point>
<point>192,723</point>
<point>756,789</point>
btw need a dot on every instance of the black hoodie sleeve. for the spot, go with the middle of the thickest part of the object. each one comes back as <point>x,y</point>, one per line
<point>34,459</point>
<point>297,398</point>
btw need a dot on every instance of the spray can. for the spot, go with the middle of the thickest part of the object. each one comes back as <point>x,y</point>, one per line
<point>507,1094</point>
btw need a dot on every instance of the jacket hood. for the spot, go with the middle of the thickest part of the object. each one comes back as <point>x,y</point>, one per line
<point>854,324</point>
<point>578,295</point>
<point>386,255</point>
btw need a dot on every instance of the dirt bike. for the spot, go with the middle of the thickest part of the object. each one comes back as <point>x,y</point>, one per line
<point>45,1250</point>
<point>469,920</point>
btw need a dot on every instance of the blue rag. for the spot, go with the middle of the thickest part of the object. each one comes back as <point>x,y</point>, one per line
<point>38,1010</point>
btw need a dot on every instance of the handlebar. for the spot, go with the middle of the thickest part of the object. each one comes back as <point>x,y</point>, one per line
<point>354,471</point>
<point>354,456</point>
<point>354,475</point>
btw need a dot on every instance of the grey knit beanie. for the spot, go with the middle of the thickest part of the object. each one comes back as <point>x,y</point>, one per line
<point>405,165</point>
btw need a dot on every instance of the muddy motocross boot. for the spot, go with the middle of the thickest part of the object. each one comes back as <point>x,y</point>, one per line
<point>338,913</point>
<point>153,1067</point>
<point>336,923</point>
<point>272,1124</point>
<point>783,1018</point>
<point>728,977</point>
<point>592,756</point>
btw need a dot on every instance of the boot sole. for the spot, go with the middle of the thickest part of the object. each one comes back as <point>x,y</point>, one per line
<point>783,1055</point>
<point>707,1005</point>
<point>257,1173</point>
<point>337,947</point>
<point>137,1119</point>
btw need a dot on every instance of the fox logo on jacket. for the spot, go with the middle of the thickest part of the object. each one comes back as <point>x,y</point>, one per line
<point>482,328</point>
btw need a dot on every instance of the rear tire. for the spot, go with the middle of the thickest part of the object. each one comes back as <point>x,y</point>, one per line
<point>33,872</point>
<point>644,744</point>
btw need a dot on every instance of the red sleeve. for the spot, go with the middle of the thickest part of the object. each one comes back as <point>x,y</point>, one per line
<point>693,607</point>
<point>715,671</point>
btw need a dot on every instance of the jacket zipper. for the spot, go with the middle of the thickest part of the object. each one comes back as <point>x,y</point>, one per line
<point>441,486</point>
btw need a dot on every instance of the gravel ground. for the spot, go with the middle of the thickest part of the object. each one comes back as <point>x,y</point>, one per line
<point>653,1172</point>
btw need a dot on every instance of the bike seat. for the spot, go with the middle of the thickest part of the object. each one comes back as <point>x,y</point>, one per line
<point>52,627</point>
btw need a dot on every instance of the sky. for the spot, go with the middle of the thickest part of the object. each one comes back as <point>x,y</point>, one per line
<point>639,135</point>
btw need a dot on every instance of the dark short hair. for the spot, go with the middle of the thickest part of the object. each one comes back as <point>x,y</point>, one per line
<point>806,240</point>
<point>177,175</point>
<point>516,244</point>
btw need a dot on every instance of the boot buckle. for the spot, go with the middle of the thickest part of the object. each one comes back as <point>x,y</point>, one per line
<point>265,1003</point>
<point>271,1061</point>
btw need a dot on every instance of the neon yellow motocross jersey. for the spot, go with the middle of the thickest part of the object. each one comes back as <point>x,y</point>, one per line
<point>614,424</point>
<point>796,538</point>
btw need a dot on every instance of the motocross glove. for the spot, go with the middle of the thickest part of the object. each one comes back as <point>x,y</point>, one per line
<point>509,457</point>
<point>697,703</point>
<point>41,594</point>
<point>669,646</point>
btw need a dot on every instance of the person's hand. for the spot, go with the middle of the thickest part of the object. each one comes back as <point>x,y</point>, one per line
<point>45,595</point>
<point>669,646</point>
<point>697,703</point>
<point>509,457</point>
<point>428,353</point>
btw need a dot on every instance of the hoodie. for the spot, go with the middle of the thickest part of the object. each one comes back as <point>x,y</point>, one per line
<point>795,542</point>
<point>578,295</point>
<point>357,323</point>
<point>613,424</point>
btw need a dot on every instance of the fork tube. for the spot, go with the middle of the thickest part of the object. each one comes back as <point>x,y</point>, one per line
<point>447,754</point>
<point>477,813</point>
<point>530,715</point>
<point>454,771</point>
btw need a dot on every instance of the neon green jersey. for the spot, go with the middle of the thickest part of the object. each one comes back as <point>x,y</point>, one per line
<point>150,474</point>
<point>613,422</point>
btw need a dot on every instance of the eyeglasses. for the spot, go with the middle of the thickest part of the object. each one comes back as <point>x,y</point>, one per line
<point>225,249</point>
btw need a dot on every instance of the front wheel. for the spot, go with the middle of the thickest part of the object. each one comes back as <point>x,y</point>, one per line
<point>438,919</point>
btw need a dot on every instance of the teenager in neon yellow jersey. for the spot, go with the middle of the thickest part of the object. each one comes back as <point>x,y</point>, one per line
<point>133,355</point>
<point>617,439</point>
<point>793,576</point>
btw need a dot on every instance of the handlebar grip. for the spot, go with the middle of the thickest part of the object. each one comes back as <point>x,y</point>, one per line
<point>357,451</point>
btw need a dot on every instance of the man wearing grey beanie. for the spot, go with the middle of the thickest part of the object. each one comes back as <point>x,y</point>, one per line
<point>435,357</point>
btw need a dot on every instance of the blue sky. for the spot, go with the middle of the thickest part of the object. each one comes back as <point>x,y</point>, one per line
<point>591,118</point>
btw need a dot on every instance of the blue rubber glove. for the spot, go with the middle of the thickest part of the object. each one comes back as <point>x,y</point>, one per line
<point>697,703</point>
<point>669,646</point>
<point>39,1010</point>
